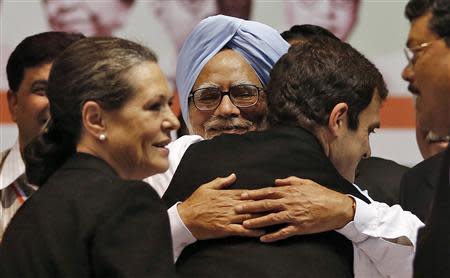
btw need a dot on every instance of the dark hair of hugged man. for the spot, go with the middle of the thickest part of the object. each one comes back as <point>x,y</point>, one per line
<point>298,33</point>
<point>312,78</point>
<point>383,188</point>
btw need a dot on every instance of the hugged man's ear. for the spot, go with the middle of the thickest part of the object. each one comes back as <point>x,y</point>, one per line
<point>337,122</point>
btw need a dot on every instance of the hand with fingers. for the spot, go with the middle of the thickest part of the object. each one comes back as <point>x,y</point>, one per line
<point>304,206</point>
<point>209,212</point>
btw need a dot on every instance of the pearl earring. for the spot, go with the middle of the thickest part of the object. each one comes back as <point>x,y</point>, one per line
<point>102,137</point>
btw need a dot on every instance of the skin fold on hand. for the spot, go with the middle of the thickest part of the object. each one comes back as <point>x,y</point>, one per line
<point>209,212</point>
<point>305,207</point>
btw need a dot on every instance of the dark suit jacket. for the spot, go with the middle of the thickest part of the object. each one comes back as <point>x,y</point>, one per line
<point>381,178</point>
<point>87,222</point>
<point>258,158</point>
<point>418,186</point>
<point>433,244</point>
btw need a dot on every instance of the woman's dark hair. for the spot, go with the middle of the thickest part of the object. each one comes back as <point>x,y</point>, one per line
<point>314,76</point>
<point>90,69</point>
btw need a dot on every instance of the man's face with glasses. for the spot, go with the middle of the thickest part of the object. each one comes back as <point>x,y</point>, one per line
<point>227,97</point>
<point>428,75</point>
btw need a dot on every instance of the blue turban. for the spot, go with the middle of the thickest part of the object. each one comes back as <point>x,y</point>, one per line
<point>260,45</point>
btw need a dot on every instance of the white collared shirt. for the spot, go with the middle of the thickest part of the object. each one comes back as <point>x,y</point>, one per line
<point>383,237</point>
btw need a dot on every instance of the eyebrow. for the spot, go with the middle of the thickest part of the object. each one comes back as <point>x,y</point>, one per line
<point>39,82</point>
<point>206,85</point>
<point>235,83</point>
<point>243,82</point>
<point>160,96</point>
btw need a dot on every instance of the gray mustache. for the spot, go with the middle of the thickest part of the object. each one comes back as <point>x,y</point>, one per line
<point>216,122</point>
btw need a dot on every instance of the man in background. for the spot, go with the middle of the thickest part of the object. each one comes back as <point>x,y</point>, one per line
<point>27,70</point>
<point>91,18</point>
<point>428,75</point>
<point>337,16</point>
<point>429,84</point>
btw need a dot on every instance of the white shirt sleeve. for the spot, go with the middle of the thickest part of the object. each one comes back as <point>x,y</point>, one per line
<point>181,236</point>
<point>384,239</point>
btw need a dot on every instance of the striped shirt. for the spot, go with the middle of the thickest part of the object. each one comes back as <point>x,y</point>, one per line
<point>14,190</point>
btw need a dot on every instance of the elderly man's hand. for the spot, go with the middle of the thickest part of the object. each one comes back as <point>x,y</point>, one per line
<point>303,205</point>
<point>209,212</point>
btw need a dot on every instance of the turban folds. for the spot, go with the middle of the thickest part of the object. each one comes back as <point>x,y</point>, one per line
<point>260,45</point>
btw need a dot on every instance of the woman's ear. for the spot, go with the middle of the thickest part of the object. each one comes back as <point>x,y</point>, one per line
<point>338,118</point>
<point>93,122</point>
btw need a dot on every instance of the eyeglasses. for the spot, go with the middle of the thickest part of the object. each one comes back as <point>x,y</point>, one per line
<point>411,53</point>
<point>242,96</point>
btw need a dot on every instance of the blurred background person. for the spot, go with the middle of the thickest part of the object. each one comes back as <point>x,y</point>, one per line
<point>27,70</point>
<point>236,8</point>
<point>92,216</point>
<point>337,16</point>
<point>92,18</point>
<point>180,17</point>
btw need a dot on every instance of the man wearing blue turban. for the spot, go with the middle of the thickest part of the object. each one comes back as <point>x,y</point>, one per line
<point>256,45</point>
<point>222,70</point>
